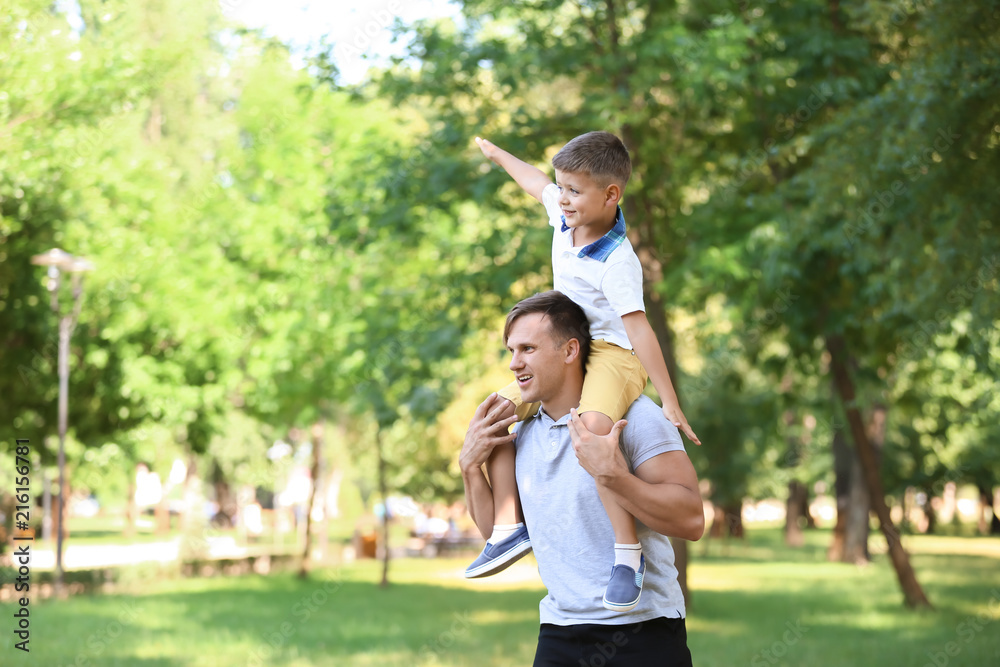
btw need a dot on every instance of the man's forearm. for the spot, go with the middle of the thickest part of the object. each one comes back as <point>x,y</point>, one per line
<point>668,508</point>
<point>479,500</point>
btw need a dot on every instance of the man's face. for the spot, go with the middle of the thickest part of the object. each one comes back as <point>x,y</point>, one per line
<point>538,361</point>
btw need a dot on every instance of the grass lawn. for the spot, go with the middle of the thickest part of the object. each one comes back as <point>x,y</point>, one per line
<point>755,603</point>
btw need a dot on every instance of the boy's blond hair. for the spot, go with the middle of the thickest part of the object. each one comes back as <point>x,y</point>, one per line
<point>600,155</point>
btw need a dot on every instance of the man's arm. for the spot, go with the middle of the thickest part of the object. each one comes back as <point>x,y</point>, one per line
<point>647,348</point>
<point>663,493</point>
<point>531,179</point>
<point>487,429</point>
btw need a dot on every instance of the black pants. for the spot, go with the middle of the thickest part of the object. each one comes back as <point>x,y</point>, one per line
<point>661,642</point>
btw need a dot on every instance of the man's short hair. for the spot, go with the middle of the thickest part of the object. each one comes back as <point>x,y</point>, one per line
<point>600,155</point>
<point>566,319</point>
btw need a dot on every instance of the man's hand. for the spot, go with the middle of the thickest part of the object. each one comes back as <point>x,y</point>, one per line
<point>487,429</point>
<point>676,417</point>
<point>598,454</point>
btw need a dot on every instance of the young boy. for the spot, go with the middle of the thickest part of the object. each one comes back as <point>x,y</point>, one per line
<point>594,264</point>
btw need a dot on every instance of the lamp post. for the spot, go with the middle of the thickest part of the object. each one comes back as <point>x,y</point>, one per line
<point>59,261</point>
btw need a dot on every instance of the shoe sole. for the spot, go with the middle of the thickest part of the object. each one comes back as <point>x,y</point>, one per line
<point>502,562</point>
<point>611,606</point>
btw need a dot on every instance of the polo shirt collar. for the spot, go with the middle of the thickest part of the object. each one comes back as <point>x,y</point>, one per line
<point>602,248</point>
<point>542,414</point>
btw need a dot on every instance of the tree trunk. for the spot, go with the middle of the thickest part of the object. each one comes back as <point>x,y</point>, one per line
<point>995,522</point>
<point>727,519</point>
<point>858,511</point>
<point>681,557</point>
<point>734,518</point>
<point>930,514</point>
<point>798,498</point>
<point>316,497</point>
<point>839,363</point>
<point>224,498</point>
<point>987,513</point>
<point>46,507</point>
<point>841,491</point>
<point>383,489</point>
<point>162,513</point>
<point>131,508</point>
<point>192,507</point>
<point>62,511</point>
<point>717,529</point>
<point>985,508</point>
<point>850,535</point>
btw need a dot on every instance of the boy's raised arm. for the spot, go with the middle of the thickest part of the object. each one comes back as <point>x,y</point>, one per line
<point>647,348</point>
<point>531,179</point>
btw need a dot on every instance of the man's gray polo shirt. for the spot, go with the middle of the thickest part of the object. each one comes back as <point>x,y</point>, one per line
<point>570,532</point>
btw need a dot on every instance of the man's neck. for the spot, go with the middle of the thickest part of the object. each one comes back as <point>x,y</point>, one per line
<point>559,406</point>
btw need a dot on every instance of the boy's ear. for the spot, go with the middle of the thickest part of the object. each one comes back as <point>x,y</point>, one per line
<point>612,194</point>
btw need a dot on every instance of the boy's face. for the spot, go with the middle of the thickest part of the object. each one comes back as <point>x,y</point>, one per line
<point>585,203</point>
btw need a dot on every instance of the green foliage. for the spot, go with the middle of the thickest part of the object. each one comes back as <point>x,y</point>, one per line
<point>274,250</point>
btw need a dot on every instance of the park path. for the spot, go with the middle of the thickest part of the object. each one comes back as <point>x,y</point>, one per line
<point>85,556</point>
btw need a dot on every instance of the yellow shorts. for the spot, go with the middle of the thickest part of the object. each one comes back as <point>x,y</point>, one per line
<point>614,379</point>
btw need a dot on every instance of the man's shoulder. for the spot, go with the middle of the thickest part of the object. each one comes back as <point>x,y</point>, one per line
<point>648,427</point>
<point>642,408</point>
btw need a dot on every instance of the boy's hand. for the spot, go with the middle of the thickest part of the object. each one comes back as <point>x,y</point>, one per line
<point>677,418</point>
<point>488,149</point>
<point>531,179</point>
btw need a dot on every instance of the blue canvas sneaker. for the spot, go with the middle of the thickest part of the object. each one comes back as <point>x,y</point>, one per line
<point>625,587</point>
<point>499,556</point>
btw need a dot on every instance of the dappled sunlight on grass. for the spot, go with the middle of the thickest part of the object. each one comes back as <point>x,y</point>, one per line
<point>771,605</point>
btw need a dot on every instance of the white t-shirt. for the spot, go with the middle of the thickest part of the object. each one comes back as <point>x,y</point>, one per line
<point>606,289</point>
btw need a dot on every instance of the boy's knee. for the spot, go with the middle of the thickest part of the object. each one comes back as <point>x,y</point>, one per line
<point>597,423</point>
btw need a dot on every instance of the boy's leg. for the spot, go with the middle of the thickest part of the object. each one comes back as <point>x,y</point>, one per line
<point>509,541</point>
<point>614,379</point>
<point>621,521</point>
<point>500,468</point>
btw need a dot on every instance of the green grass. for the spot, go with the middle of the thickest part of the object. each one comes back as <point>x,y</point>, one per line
<point>748,598</point>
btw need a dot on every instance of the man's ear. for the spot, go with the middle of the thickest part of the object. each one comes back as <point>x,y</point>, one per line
<point>572,349</point>
<point>612,195</point>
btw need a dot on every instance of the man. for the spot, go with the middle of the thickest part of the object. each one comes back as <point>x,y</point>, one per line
<point>559,465</point>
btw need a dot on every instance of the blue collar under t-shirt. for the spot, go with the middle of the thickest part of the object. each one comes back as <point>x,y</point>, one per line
<point>602,248</point>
